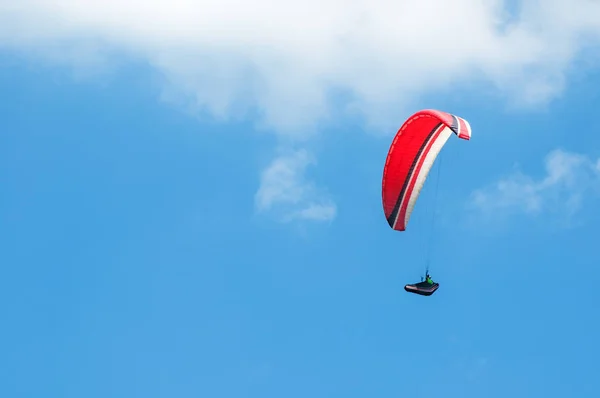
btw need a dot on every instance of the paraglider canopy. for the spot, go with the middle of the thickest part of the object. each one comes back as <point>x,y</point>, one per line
<point>410,158</point>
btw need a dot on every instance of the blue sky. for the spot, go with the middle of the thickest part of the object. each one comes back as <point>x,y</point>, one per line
<point>137,260</point>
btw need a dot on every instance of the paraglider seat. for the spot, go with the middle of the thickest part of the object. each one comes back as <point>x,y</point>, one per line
<point>422,288</point>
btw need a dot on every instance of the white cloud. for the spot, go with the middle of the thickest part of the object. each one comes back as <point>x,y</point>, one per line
<point>284,58</point>
<point>285,191</point>
<point>569,178</point>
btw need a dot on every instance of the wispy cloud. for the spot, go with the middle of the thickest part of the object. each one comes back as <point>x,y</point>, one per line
<point>568,178</point>
<point>285,191</point>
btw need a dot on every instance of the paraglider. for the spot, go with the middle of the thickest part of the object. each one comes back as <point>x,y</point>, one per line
<point>410,158</point>
<point>424,288</point>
